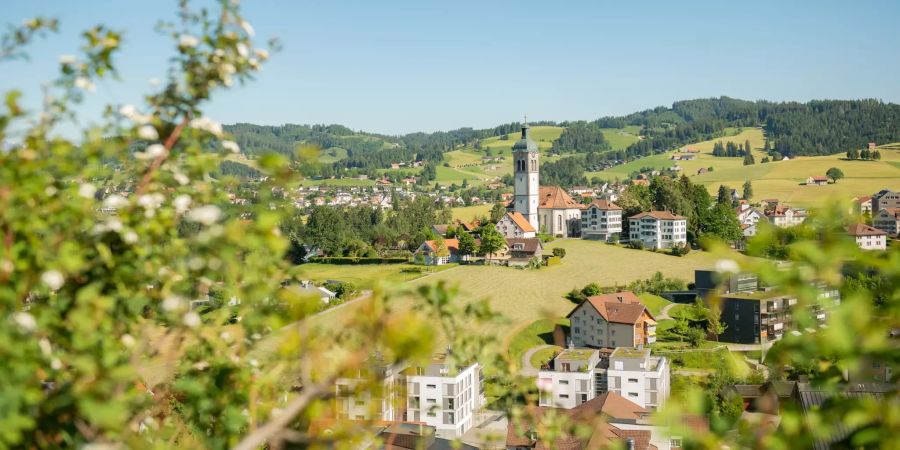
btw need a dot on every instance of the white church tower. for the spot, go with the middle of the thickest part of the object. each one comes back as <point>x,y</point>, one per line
<point>525,160</point>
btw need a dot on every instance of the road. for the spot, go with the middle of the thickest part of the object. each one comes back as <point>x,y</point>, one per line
<point>664,313</point>
<point>527,369</point>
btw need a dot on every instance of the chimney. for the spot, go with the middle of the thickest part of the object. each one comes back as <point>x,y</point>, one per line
<point>629,443</point>
<point>621,299</point>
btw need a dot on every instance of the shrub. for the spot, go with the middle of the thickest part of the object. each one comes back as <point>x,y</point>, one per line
<point>679,250</point>
<point>636,244</point>
<point>560,252</point>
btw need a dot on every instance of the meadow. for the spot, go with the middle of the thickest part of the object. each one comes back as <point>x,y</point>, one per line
<point>467,213</point>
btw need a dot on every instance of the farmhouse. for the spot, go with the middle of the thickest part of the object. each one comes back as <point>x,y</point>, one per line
<point>888,220</point>
<point>867,238</point>
<point>601,220</point>
<point>784,216</point>
<point>658,229</point>
<point>817,180</point>
<point>612,320</point>
<point>863,204</point>
<point>514,225</point>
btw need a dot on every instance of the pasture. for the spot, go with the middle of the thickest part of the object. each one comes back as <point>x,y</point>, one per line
<point>467,213</point>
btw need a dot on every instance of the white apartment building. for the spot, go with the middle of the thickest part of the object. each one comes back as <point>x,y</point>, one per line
<point>370,395</point>
<point>868,238</point>
<point>601,220</point>
<point>784,216</point>
<point>444,396</point>
<point>578,375</point>
<point>658,229</point>
<point>639,377</point>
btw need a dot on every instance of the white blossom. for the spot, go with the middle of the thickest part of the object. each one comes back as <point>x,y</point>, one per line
<point>127,110</point>
<point>208,125</point>
<point>155,150</point>
<point>67,59</point>
<point>114,224</point>
<point>151,201</point>
<point>127,340</point>
<point>148,132</point>
<point>186,40</point>
<point>25,321</point>
<point>172,303</point>
<point>727,266</point>
<point>182,203</point>
<point>207,215</point>
<point>53,279</point>
<point>130,237</point>
<point>115,201</point>
<point>84,84</point>
<point>242,49</point>
<point>45,346</point>
<point>262,53</point>
<point>7,266</point>
<point>247,28</point>
<point>192,319</point>
<point>231,146</point>
<point>181,178</point>
<point>55,364</point>
<point>87,190</point>
<point>50,191</point>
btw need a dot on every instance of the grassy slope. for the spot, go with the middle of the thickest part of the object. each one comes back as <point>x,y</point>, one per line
<point>654,303</point>
<point>364,276</point>
<point>467,213</point>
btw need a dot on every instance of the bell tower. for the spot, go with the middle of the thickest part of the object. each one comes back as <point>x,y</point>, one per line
<point>525,174</point>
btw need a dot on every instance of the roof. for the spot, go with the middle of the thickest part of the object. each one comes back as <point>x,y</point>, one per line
<point>440,228</point>
<point>530,245</point>
<point>861,229</point>
<point>619,307</point>
<point>452,245</point>
<point>604,204</point>
<point>600,411</point>
<point>661,215</point>
<point>525,143</point>
<point>863,199</point>
<point>893,212</point>
<point>521,222</point>
<point>812,397</point>
<point>819,178</point>
<point>555,197</point>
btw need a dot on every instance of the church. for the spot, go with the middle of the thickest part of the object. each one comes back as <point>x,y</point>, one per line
<point>549,209</point>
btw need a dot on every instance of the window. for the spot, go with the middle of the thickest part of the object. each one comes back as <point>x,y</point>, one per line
<point>632,394</point>
<point>563,381</point>
<point>431,400</point>
<point>563,395</point>
<point>360,402</point>
<point>675,443</point>
<point>632,380</point>
<point>431,414</point>
<point>431,386</point>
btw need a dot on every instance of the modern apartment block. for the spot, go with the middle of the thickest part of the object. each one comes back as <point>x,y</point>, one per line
<point>359,398</point>
<point>888,220</point>
<point>601,220</point>
<point>444,396</point>
<point>658,229</point>
<point>639,377</point>
<point>760,317</point>
<point>578,375</point>
<point>707,282</point>
<point>885,199</point>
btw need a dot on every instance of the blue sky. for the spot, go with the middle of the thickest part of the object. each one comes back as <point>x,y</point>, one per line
<point>402,66</point>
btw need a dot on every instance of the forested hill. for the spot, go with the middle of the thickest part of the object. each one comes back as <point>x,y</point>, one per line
<point>813,128</point>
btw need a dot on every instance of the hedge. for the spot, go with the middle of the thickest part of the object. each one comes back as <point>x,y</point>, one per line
<point>357,260</point>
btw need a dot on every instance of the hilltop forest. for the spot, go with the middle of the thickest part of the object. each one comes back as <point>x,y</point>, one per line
<point>818,127</point>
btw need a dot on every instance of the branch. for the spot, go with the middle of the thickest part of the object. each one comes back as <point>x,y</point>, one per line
<point>169,144</point>
<point>276,425</point>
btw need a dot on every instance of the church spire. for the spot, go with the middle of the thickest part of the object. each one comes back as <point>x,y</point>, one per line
<point>526,132</point>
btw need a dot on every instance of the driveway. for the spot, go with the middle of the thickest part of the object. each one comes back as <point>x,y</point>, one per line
<point>527,369</point>
<point>664,313</point>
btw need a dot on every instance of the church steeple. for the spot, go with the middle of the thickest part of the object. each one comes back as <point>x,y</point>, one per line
<point>525,174</point>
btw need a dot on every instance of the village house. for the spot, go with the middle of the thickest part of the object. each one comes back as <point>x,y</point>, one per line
<point>702,170</point>
<point>612,320</point>
<point>658,229</point>
<point>785,216</point>
<point>522,250</point>
<point>578,375</point>
<point>748,217</point>
<point>623,425</point>
<point>440,229</point>
<point>601,220</point>
<point>434,255</point>
<point>888,220</point>
<point>579,190</point>
<point>515,225</point>
<point>863,204</point>
<point>817,180</point>
<point>867,238</point>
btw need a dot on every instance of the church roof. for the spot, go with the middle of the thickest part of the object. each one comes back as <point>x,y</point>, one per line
<point>555,197</point>
<point>521,222</point>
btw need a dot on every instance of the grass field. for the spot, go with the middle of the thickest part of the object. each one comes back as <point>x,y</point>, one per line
<point>340,182</point>
<point>538,332</point>
<point>365,276</point>
<point>467,213</point>
<point>523,296</point>
<point>620,139</point>
<point>543,355</point>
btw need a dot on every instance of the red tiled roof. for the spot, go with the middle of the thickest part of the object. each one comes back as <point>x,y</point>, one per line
<point>451,244</point>
<point>892,212</point>
<point>619,307</point>
<point>521,222</point>
<point>664,215</point>
<point>819,178</point>
<point>861,229</point>
<point>555,197</point>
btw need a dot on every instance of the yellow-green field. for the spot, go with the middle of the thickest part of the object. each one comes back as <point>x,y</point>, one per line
<point>366,276</point>
<point>778,179</point>
<point>524,296</point>
<point>467,213</point>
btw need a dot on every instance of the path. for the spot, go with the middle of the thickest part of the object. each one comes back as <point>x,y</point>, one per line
<point>664,313</point>
<point>527,369</point>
